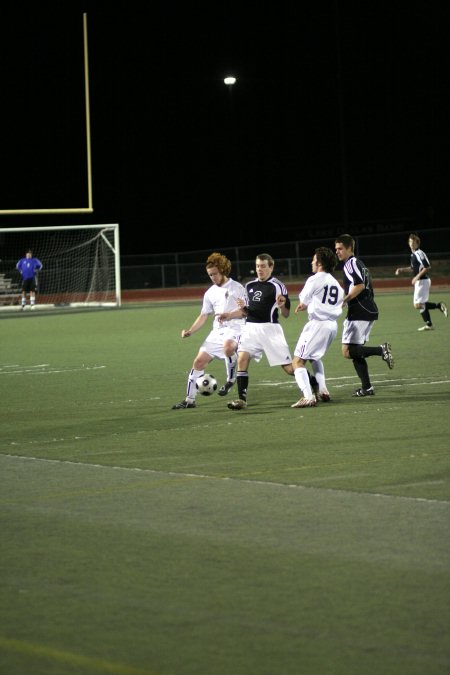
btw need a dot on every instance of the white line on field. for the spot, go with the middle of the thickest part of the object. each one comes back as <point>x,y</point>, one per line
<point>340,381</point>
<point>292,486</point>
<point>44,369</point>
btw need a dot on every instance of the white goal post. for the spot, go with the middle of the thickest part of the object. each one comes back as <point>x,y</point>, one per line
<point>80,265</point>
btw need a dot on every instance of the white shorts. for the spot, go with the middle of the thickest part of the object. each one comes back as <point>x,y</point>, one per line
<point>265,338</point>
<point>315,339</point>
<point>421,291</point>
<point>213,345</point>
<point>356,332</point>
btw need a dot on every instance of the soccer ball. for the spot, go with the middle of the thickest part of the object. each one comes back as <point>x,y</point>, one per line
<point>206,384</point>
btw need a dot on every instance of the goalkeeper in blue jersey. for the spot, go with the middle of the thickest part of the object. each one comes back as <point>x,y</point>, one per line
<point>28,268</point>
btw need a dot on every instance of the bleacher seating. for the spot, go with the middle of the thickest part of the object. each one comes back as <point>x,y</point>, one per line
<point>10,292</point>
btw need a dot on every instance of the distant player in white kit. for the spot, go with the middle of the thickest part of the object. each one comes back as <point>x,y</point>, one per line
<point>322,297</point>
<point>222,341</point>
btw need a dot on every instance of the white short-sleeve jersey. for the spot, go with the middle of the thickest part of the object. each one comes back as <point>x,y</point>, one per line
<point>323,296</point>
<point>220,299</point>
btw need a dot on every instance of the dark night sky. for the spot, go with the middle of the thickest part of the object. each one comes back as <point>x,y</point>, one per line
<point>339,115</point>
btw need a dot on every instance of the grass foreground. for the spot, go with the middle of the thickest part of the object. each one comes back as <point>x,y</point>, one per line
<point>271,541</point>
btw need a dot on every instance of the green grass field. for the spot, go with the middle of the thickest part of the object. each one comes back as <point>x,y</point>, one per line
<point>270,541</point>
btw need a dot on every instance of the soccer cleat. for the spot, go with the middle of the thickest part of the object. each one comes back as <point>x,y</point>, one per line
<point>305,403</point>
<point>364,392</point>
<point>387,355</point>
<point>325,397</point>
<point>184,404</point>
<point>443,308</point>
<point>426,327</point>
<point>239,404</point>
<point>225,388</point>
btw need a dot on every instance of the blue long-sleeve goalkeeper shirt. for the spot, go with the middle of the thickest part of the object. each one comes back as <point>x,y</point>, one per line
<point>28,267</point>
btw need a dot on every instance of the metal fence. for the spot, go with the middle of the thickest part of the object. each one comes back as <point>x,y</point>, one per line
<point>382,251</point>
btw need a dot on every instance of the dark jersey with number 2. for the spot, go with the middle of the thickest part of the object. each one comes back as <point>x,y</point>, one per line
<point>262,300</point>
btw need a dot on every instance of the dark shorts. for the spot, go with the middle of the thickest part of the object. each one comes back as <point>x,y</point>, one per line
<point>29,285</point>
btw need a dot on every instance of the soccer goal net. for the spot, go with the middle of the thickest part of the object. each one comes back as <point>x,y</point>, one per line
<point>80,265</point>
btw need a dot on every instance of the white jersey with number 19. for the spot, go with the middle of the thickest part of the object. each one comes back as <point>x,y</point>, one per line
<point>323,296</point>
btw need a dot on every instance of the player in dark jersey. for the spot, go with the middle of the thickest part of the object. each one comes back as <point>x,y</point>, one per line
<point>267,298</point>
<point>362,311</point>
<point>420,266</point>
